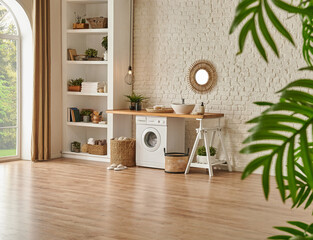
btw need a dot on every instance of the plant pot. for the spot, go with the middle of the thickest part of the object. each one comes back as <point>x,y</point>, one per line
<point>75,148</point>
<point>132,106</point>
<point>203,160</point>
<point>86,118</point>
<point>74,88</point>
<point>80,25</point>
<point>137,106</point>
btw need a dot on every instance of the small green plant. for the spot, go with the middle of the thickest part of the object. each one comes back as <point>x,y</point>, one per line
<point>75,82</point>
<point>76,144</point>
<point>201,151</point>
<point>90,52</point>
<point>104,43</point>
<point>86,112</point>
<point>134,98</point>
<point>84,20</point>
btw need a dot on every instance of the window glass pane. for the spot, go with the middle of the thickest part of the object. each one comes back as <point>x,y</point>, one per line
<point>7,23</point>
<point>8,142</point>
<point>8,83</point>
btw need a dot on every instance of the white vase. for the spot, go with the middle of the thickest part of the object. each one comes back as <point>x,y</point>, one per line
<point>105,55</point>
<point>203,160</point>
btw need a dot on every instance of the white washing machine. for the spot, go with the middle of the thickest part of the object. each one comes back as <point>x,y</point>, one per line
<point>153,134</point>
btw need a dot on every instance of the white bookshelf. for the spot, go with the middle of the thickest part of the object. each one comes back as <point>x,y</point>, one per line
<point>111,72</point>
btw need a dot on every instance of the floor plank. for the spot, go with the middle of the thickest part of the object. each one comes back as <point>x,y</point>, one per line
<point>76,200</point>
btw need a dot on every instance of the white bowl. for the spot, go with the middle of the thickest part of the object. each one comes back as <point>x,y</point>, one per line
<point>182,108</point>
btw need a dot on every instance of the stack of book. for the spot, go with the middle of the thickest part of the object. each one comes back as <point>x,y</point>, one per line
<point>73,115</point>
<point>89,87</point>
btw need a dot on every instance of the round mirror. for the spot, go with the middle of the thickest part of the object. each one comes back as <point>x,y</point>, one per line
<point>202,76</point>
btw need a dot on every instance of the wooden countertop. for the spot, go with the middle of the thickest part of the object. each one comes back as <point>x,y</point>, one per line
<point>173,115</point>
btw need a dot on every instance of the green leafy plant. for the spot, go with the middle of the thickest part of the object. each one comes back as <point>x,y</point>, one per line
<point>201,151</point>
<point>75,82</point>
<point>86,112</point>
<point>90,52</point>
<point>134,98</point>
<point>282,132</point>
<point>104,43</point>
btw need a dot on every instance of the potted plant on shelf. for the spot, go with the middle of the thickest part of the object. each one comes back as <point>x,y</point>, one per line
<point>75,146</point>
<point>135,101</point>
<point>74,85</point>
<point>201,157</point>
<point>104,44</point>
<point>92,54</point>
<point>86,113</point>
<point>80,22</point>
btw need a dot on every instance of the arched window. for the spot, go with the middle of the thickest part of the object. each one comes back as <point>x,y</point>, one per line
<point>9,84</point>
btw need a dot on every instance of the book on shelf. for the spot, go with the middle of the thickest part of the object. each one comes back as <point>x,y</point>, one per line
<point>73,115</point>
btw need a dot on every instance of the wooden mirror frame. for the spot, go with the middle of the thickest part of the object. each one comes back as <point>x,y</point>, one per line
<point>209,68</point>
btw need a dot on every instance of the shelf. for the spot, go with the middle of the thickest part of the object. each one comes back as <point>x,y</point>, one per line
<point>88,1</point>
<point>86,156</point>
<point>87,94</point>
<point>88,31</point>
<point>82,124</point>
<point>87,62</point>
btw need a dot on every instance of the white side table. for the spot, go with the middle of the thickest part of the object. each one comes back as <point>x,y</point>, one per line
<point>203,133</point>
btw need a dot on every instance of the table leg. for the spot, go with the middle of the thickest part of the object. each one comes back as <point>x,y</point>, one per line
<point>225,152</point>
<point>192,155</point>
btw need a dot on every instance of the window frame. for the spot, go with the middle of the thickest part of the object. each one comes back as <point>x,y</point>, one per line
<point>17,38</point>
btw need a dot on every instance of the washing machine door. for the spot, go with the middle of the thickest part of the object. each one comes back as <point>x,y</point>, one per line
<point>151,139</point>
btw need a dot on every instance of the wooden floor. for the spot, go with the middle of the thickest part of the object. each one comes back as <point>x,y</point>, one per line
<point>77,200</point>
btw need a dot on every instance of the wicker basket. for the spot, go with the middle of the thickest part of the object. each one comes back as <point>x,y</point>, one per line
<point>98,22</point>
<point>97,149</point>
<point>123,152</point>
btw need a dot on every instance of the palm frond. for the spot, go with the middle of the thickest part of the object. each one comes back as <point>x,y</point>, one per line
<point>299,230</point>
<point>274,137</point>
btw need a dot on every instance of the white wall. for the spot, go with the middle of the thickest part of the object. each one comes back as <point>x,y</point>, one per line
<point>169,35</point>
<point>56,70</point>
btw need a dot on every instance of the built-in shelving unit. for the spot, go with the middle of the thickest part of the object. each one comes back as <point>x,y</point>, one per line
<point>110,72</point>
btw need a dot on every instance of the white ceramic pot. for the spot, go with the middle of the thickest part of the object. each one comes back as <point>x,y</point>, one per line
<point>203,160</point>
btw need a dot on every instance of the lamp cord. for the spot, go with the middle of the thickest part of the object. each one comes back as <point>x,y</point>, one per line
<point>130,33</point>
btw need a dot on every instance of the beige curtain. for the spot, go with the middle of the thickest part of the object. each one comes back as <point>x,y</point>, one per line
<point>41,116</point>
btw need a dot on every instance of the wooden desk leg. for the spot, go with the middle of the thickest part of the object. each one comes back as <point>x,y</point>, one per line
<point>193,152</point>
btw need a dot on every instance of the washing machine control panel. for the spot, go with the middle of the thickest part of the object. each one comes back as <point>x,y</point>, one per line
<point>160,121</point>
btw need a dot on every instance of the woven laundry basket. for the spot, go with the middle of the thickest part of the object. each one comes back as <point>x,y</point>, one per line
<point>123,152</point>
<point>97,149</point>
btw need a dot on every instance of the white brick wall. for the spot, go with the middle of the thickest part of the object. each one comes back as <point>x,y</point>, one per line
<point>169,35</point>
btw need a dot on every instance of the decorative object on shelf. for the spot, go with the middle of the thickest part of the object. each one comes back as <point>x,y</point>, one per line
<point>98,148</point>
<point>80,57</point>
<point>91,55</point>
<point>202,108</point>
<point>123,151</point>
<point>202,76</point>
<point>135,101</point>
<point>98,22</point>
<point>84,148</point>
<point>96,117</point>
<point>201,157</point>
<point>71,54</point>
<point>75,146</point>
<point>104,44</point>
<point>162,110</point>
<point>91,141</point>
<point>80,22</point>
<point>102,87</point>
<point>86,113</point>
<point>74,85</point>
<point>89,87</point>
<point>129,77</point>
<point>73,115</point>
